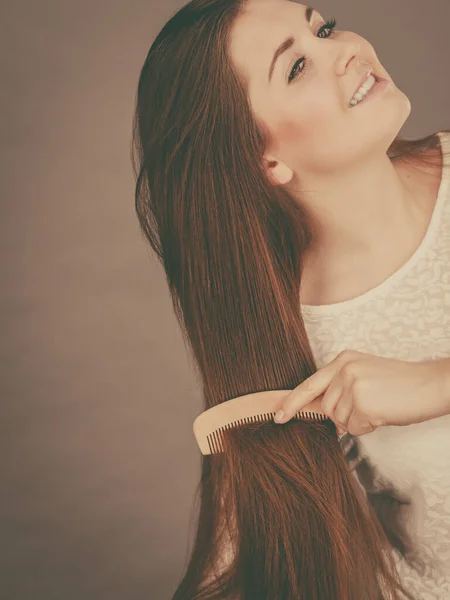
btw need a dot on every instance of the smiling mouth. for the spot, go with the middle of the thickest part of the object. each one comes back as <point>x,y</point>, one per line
<point>378,79</point>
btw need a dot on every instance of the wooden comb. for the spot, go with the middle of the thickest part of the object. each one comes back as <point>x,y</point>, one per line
<point>251,408</point>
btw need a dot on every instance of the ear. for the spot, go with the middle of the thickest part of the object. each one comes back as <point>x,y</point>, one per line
<point>277,172</point>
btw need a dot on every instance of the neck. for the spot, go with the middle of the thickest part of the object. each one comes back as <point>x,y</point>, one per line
<point>363,216</point>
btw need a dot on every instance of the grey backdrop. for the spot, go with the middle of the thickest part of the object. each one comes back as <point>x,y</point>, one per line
<point>98,463</point>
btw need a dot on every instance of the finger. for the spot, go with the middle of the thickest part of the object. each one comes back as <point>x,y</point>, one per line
<point>343,410</point>
<point>309,390</point>
<point>331,398</point>
<point>314,407</point>
<point>358,427</point>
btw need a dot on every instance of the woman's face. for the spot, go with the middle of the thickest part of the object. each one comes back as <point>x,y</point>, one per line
<point>306,103</point>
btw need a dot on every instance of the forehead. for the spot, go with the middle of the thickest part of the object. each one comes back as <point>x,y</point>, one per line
<point>258,31</point>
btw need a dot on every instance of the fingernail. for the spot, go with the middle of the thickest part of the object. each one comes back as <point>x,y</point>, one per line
<point>279,416</point>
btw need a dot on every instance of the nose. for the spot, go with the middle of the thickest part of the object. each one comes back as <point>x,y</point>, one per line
<point>352,53</point>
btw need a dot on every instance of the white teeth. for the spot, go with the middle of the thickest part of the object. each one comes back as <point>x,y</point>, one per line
<point>368,84</point>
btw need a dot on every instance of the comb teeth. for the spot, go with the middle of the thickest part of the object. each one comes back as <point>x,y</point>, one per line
<point>215,438</point>
<point>250,408</point>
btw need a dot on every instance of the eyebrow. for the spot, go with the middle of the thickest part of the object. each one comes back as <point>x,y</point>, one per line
<point>288,42</point>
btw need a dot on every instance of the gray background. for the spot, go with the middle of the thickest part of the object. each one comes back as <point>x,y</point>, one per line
<point>98,463</point>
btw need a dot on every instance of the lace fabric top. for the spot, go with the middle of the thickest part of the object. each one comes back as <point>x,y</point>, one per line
<point>407,317</point>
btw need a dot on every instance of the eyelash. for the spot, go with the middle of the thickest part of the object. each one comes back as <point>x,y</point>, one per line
<point>330,24</point>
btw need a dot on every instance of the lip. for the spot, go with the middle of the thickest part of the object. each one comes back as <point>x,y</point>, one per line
<point>377,89</point>
<point>369,71</point>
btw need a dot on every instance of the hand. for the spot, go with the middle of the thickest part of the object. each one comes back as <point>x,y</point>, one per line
<point>361,392</point>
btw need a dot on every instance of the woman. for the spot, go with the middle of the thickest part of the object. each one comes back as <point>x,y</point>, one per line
<point>260,183</point>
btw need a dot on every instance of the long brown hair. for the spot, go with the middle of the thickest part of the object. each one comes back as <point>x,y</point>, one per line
<point>281,515</point>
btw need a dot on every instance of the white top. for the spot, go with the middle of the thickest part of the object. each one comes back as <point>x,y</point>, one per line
<point>407,317</point>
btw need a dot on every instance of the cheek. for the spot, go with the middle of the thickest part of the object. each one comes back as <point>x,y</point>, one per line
<point>312,132</point>
<point>312,118</point>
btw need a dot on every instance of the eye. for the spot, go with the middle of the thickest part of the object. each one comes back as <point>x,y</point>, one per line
<point>329,25</point>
